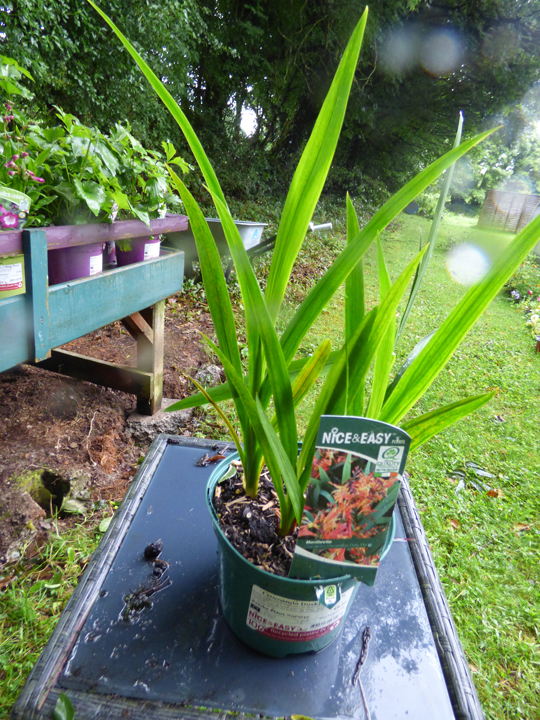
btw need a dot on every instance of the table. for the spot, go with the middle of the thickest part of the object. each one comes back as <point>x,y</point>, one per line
<point>179,659</point>
<point>44,318</point>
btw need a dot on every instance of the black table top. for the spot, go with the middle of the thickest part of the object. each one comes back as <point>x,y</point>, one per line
<point>179,656</point>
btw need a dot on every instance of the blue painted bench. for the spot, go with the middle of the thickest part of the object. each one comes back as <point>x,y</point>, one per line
<point>33,325</point>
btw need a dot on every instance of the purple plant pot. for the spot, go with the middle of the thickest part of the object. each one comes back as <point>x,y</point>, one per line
<point>71,263</point>
<point>143,248</point>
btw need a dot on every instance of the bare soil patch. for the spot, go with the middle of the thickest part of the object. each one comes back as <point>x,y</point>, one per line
<point>78,431</point>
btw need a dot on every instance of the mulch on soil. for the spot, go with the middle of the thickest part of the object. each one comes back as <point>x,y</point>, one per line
<point>251,525</point>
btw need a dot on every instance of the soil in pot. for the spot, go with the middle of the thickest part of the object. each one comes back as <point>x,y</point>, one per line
<point>274,614</point>
<point>251,525</point>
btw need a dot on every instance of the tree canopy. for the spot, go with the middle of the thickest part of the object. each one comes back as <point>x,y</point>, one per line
<point>422,63</point>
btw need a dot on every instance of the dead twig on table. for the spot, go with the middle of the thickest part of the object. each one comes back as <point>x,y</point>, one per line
<point>366,637</point>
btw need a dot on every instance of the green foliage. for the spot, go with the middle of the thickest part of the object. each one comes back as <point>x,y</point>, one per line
<point>33,594</point>
<point>219,58</point>
<point>508,161</point>
<point>76,174</point>
<point>371,340</point>
<point>526,280</point>
<point>427,201</point>
<point>63,45</point>
<point>534,321</point>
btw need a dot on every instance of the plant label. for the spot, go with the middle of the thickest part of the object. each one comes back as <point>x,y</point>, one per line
<point>292,620</point>
<point>11,277</point>
<point>350,499</point>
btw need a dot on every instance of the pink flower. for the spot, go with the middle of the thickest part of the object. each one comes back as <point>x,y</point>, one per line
<point>14,157</point>
<point>11,173</point>
<point>530,292</point>
<point>24,154</point>
<point>10,164</point>
<point>9,220</point>
<point>39,180</point>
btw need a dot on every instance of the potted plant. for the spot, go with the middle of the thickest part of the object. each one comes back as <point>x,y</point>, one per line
<point>75,174</point>
<point>275,378</point>
<point>19,186</point>
<point>94,177</point>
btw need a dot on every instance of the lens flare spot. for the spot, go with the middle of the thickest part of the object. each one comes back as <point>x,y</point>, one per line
<point>467,263</point>
<point>399,51</point>
<point>442,53</point>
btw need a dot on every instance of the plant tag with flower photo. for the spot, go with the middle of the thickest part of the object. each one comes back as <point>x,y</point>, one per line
<point>355,481</point>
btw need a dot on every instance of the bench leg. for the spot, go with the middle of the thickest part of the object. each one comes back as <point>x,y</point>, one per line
<point>147,328</point>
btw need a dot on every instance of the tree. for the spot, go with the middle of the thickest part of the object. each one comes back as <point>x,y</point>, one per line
<point>77,65</point>
<point>423,61</point>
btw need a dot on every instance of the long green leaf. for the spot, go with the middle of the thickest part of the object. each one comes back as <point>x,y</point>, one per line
<point>310,175</point>
<point>354,307</point>
<point>217,408</point>
<point>352,363</point>
<point>431,360</point>
<point>294,495</point>
<point>431,238</point>
<point>172,106</point>
<point>423,427</point>
<point>215,285</point>
<point>336,275</point>
<point>216,289</point>
<point>258,320</point>
<point>385,354</point>
<point>414,352</point>
<point>222,392</point>
<point>249,287</point>
<point>309,374</point>
<point>251,409</point>
<point>311,371</point>
<point>279,465</point>
<point>365,344</point>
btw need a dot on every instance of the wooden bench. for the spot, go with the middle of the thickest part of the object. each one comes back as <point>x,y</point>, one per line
<point>33,325</point>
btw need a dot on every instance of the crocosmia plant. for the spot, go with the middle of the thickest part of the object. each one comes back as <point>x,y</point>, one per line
<point>274,378</point>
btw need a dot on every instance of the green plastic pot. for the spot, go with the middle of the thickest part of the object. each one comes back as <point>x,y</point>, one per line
<point>278,616</point>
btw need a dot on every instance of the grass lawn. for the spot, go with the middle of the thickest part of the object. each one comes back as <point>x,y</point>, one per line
<point>477,485</point>
<point>484,530</point>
